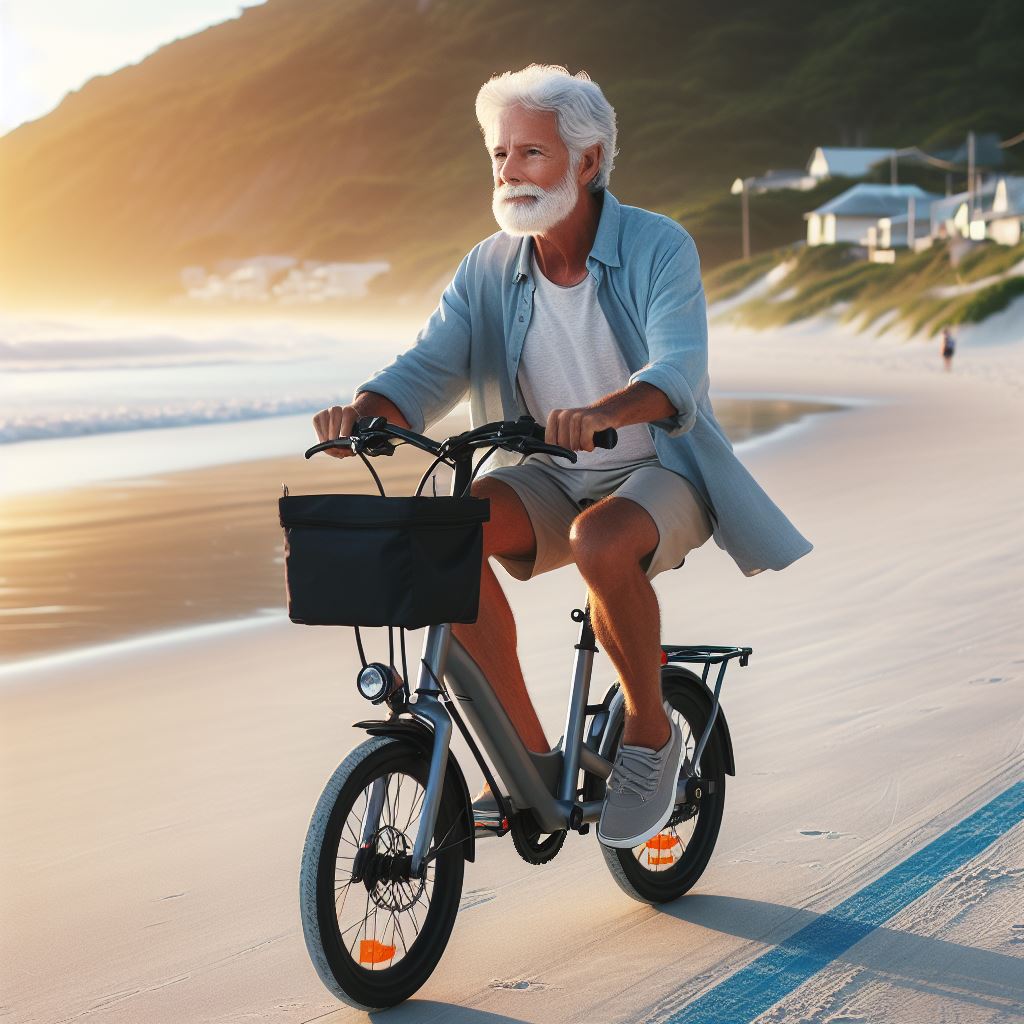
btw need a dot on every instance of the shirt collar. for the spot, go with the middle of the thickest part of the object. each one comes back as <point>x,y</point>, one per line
<point>606,242</point>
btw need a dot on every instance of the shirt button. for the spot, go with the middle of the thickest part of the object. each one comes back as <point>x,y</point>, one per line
<point>520,319</point>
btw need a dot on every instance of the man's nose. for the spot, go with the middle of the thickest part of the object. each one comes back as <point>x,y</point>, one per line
<point>508,171</point>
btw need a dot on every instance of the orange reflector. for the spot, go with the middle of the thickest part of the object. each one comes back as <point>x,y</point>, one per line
<point>662,842</point>
<point>373,952</point>
<point>661,860</point>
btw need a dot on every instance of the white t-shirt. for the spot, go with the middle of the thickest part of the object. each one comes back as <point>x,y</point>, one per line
<point>570,358</point>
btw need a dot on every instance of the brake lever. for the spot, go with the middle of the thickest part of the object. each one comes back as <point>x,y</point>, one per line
<point>337,442</point>
<point>375,444</point>
<point>528,446</point>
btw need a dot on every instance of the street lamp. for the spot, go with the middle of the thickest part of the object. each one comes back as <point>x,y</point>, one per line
<point>741,188</point>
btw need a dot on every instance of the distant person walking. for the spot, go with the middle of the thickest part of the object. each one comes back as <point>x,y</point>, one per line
<point>948,347</point>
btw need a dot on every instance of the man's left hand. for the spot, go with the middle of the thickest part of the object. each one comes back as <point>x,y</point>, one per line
<point>575,428</point>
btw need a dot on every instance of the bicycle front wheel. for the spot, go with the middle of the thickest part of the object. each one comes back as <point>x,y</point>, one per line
<point>375,934</point>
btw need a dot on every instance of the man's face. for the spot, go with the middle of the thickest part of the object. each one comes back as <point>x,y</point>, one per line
<point>535,187</point>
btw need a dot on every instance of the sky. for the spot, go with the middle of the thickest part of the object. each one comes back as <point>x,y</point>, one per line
<point>49,47</point>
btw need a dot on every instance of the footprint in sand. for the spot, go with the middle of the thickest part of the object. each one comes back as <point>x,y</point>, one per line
<point>518,985</point>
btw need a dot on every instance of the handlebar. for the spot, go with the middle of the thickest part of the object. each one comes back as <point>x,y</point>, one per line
<point>375,436</point>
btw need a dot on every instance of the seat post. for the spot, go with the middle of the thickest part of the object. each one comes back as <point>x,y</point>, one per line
<point>576,713</point>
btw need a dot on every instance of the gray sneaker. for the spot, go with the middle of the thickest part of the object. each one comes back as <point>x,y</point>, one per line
<point>641,791</point>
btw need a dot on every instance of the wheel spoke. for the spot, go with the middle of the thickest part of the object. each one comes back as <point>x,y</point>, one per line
<point>414,810</point>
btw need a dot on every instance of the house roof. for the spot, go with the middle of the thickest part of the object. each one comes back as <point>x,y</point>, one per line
<point>777,179</point>
<point>846,161</point>
<point>868,200</point>
<point>987,151</point>
<point>945,207</point>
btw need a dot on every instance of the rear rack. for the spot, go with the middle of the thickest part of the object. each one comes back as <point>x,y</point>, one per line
<point>706,656</point>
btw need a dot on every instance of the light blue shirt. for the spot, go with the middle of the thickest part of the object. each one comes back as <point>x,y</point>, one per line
<point>649,287</point>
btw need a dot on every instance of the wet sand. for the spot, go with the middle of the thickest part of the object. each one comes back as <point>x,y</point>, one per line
<point>115,560</point>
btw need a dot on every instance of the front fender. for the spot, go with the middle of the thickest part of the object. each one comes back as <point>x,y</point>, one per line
<point>418,734</point>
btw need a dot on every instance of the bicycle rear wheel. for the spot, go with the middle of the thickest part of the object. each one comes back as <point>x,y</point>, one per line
<point>373,933</point>
<point>670,863</point>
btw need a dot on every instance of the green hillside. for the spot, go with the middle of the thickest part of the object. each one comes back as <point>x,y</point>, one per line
<point>344,129</point>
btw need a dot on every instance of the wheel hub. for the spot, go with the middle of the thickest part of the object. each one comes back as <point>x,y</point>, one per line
<point>384,866</point>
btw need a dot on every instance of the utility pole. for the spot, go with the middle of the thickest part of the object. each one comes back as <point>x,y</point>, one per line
<point>740,187</point>
<point>893,173</point>
<point>970,176</point>
<point>911,210</point>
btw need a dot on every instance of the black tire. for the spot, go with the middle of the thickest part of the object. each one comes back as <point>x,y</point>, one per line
<point>636,871</point>
<point>328,855</point>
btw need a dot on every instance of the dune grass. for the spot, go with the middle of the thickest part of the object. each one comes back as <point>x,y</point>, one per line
<point>904,295</point>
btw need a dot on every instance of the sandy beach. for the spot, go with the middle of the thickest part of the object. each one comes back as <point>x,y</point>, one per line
<point>155,800</point>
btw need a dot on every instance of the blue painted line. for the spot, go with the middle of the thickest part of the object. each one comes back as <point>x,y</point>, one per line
<point>773,975</point>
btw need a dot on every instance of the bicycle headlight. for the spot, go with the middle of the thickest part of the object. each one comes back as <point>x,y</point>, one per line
<point>375,682</point>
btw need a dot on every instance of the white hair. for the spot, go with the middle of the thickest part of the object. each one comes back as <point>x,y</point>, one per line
<point>583,114</point>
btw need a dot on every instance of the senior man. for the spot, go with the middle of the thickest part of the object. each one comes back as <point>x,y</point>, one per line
<point>585,314</point>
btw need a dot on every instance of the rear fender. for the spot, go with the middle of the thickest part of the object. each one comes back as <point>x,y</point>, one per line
<point>420,736</point>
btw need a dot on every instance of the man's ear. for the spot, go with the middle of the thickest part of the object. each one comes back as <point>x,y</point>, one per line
<point>590,163</point>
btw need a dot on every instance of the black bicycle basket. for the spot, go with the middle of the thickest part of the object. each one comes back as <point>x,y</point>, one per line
<point>371,560</point>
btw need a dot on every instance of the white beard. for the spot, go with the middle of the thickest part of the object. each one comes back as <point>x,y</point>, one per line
<point>550,207</point>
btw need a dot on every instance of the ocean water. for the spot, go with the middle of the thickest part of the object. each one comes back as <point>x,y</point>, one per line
<point>83,402</point>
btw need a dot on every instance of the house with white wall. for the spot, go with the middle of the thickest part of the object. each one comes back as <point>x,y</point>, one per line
<point>994,212</point>
<point>848,216</point>
<point>844,161</point>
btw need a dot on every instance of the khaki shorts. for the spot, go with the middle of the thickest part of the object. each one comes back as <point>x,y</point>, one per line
<point>552,497</point>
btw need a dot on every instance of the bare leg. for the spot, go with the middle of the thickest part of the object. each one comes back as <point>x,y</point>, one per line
<point>609,540</point>
<point>491,640</point>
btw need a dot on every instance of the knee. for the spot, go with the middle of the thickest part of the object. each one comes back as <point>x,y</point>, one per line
<point>609,541</point>
<point>594,550</point>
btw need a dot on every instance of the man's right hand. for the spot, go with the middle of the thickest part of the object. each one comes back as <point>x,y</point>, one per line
<point>338,421</point>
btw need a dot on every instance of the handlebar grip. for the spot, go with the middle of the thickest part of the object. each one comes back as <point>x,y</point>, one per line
<point>606,438</point>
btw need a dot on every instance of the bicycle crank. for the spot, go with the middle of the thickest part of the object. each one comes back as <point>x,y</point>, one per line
<point>526,837</point>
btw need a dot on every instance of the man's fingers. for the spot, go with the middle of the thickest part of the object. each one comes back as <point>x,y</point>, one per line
<point>337,413</point>
<point>554,433</point>
<point>586,435</point>
<point>320,421</point>
<point>338,421</point>
<point>551,427</point>
<point>348,421</point>
<point>575,431</point>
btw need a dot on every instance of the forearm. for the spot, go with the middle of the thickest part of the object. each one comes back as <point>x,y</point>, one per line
<point>637,403</point>
<point>369,403</point>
